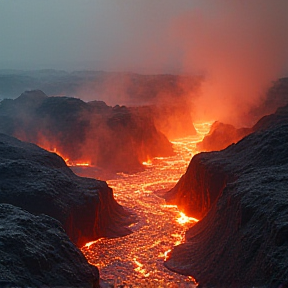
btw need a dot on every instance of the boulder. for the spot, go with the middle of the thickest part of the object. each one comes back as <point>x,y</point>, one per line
<point>36,252</point>
<point>41,183</point>
<point>242,240</point>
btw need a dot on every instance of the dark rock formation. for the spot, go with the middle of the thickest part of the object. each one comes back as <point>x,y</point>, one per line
<point>221,136</point>
<point>173,119</point>
<point>36,252</point>
<point>117,139</point>
<point>41,183</point>
<point>276,96</point>
<point>170,96</point>
<point>242,240</point>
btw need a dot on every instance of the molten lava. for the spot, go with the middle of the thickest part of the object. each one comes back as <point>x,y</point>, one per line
<point>183,219</point>
<point>81,163</point>
<point>54,150</point>
<point>137,259</point>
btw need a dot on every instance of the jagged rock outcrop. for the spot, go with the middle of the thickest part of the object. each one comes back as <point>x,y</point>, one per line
<point>276,96</point>
<point>169,96</point>
<point>222,135</point>
<point>115,139</point>
<point>36,252</point>
<point>242,240</point>
<point>41,183</point>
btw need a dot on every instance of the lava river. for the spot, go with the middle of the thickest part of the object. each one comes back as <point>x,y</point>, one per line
<point>136,260</point>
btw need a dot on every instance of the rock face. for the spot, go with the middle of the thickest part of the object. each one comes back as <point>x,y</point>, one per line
<point>115,139</point>
<point>173,119</point>
<point>36,252</point>
<point>277,96</point>
<point>221,136</point>
<point>242,240</point>
<point>169,96</point>
<point>41,183</point>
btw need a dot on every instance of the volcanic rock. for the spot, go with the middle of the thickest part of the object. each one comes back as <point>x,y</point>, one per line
<point>173,120</point>
<point>36,252</point>
<point>41,183</point>
<point>242,190</point>
<point>169,96</point>
<point>276,96</point>
<point>221,136</point>
<point>116,139</point>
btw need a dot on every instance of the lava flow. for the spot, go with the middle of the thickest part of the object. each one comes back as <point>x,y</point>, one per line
<point>136,260</point>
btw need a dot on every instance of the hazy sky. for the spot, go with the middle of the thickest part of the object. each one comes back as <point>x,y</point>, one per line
<point>159,35</point>
<point>239,45</point>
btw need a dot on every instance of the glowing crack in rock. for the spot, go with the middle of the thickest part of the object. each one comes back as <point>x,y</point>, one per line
<point>136,260</point>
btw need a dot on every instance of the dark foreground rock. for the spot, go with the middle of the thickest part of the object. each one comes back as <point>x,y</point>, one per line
<point>41,183</point>
<point>242,241</point>
<point>36,252</point>
<point>116,138</point>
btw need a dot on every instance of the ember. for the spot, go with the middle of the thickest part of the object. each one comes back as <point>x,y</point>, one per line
<point>138,258</point>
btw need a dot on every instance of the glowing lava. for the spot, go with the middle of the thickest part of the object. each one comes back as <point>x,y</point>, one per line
<point>80,163</point>
<point>183,219</point>
<point>136,260</point>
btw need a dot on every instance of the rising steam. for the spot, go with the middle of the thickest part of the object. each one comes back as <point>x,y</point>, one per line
<point>240,47</point>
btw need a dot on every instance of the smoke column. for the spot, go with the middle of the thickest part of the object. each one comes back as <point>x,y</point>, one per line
<point>240,47</point>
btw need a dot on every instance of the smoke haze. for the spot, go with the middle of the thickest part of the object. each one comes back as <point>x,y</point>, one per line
<point>240,46</point>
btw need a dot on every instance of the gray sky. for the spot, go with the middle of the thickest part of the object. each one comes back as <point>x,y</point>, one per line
<point>239,45</point>
<point>68,33</point>
<point>148,35</point>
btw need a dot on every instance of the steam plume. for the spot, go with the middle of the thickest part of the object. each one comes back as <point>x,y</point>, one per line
<point>240,46</point>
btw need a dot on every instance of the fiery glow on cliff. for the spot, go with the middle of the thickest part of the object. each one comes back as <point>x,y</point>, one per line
<point>54,150</point>
<point>79,163</point>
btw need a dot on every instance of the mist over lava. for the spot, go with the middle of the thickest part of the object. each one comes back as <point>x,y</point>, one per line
<point>239,46</point>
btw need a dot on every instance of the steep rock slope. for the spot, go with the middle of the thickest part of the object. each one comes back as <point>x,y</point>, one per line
<point>40,182</point>
<point>111,138</point>
<point>36,252</point>
<point>222,135</point>
<point>169,97</point>
<point>242,241</point>
<point>206,176</point>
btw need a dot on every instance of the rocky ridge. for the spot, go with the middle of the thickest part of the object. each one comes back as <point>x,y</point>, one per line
<point>116,138</point>
<point>41,183</point>
<point>36,252</point>
<point>242,192</point>
<point>169,97</point>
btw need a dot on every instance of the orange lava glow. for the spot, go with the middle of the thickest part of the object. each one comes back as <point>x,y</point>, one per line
<point>87,245</point>
<point>54,150</point>
<point>137,259</point>
<point>140,268</point>
<point>80,163</point>
<point>183,219</point>
<point>147,163</point>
